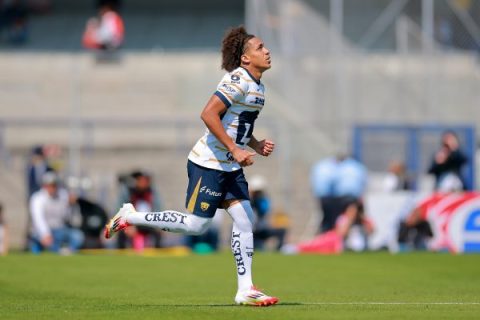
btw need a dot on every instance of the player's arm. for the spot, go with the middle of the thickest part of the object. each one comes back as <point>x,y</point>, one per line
<point>211,116</point>
<point>263,147</point>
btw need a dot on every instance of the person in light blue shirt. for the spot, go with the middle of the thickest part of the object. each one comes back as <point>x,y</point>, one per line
<point>337,183</point>
<point>350,178</point>
<point>322,177</point>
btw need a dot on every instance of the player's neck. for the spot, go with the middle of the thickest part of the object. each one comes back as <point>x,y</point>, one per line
<point>254,72</point>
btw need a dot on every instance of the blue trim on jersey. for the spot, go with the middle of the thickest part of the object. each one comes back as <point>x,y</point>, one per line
<point>253,78</point>
<point>223,98</point>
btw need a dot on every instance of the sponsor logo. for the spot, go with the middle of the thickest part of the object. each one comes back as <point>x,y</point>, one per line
<point>230,156</point>
<point>472,232</point>
<point>237,253</point>
<point>235,78</point>
<point>204,206</point>
<point>462,230</point>
<point>210,192</point>
<point>166,216</point>
<point>260,101</point>
<point>228,89</point>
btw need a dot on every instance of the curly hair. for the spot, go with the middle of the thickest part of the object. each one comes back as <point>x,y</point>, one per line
<point>233,46</point>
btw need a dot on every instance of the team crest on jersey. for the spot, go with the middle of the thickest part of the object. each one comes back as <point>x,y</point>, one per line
<point>235,78</point>
<point>204,206</point>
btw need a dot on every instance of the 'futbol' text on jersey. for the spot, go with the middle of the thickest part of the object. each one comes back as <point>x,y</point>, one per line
<point>210,192</point>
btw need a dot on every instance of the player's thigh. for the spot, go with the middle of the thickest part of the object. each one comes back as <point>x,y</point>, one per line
<point>205,191</point>
<point>236,188</point>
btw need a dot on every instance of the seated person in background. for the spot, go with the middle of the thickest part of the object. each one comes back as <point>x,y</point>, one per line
<point>105,32</point>
<point>263,230</point>
<point>426,227</point>
<point>137,188</point>
<point>332,242</point>
<point>397,178</point>
<point>93,219</point>
<point>51,211</point>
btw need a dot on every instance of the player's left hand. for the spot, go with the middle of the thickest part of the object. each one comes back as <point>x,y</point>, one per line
<point>265,147</point>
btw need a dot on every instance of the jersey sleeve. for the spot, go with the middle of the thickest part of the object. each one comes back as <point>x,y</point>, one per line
<point>232,89</point>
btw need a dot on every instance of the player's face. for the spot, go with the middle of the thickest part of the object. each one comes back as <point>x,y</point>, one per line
<point>257,54</point>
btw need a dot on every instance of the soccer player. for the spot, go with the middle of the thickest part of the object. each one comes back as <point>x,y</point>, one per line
<point>216,178</point>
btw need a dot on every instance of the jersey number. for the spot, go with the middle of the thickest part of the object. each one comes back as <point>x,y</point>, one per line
<point>245,126</point>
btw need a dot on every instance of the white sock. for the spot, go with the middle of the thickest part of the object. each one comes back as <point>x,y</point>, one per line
<point>170,220</point>
<point>242,242</point>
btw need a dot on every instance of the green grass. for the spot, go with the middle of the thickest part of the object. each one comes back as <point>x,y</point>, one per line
<point>202,287</point>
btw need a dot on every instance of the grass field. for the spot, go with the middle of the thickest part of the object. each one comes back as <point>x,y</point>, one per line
<point>350,286</point>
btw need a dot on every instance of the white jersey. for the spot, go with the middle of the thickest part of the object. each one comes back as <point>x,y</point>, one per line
<point>243,96</point>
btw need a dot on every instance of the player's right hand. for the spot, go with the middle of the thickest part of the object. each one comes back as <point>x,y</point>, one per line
<point>243,157</point>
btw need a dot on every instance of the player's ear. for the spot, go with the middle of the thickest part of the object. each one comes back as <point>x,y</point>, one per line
<point>245,59</point>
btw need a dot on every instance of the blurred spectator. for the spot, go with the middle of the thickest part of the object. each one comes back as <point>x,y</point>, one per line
<point>105,32</point>
<point>263,230</point>
<point>3,234</point>
<point>415,231</point>
<point>337,183</point>
<point>137,189</point>
<point>333,241</point>
<point>37,167</point>
<point>90,217</point>
<point>51,214</point>
<point>94,218</point>
<point>447,164</point>
<point>13,21</point>
<point>397,178</point>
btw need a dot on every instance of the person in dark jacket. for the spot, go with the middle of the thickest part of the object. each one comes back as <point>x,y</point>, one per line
<point>447,164</point>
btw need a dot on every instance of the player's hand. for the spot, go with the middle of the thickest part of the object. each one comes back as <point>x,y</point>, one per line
<point>265,147</point>
<point>243,157</point>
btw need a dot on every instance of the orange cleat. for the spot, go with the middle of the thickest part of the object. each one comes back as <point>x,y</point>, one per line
<point>254,297</point>
<point>119,221</point>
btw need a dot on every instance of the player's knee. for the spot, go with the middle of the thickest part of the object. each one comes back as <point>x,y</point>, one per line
<point>243,216</point>
<point>198,225</point>
<point>243,225</point>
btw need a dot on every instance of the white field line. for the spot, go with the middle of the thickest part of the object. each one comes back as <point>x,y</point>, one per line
<point>394,303</point>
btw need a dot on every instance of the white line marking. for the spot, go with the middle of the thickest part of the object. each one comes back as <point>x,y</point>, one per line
<point>393,303</point>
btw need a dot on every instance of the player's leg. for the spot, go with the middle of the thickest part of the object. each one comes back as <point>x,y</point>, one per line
<point>242,241</point>
<point>168,220</point>
<point>204,196</point>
